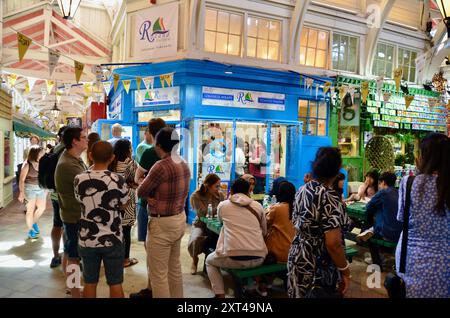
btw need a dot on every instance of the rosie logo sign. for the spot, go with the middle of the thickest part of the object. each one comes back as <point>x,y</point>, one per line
<point>159,31</point>
<point>154,32</point>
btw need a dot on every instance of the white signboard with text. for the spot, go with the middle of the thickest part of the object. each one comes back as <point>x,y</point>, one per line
<point>157,97</point>
<point>154,32</point>
<point>213,96</point>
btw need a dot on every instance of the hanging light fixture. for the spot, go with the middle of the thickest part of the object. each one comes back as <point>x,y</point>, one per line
<point>68,8</point>
<point>444,7</point>
<point>55,111</point>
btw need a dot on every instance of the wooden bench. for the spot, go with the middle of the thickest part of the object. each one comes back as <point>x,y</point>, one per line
<point>240,276</point>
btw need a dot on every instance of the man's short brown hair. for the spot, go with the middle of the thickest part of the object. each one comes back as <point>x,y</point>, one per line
<point>155,125</point>
<point>101,151</point>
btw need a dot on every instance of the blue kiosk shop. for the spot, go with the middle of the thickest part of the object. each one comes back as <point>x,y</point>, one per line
<point>231,119</point>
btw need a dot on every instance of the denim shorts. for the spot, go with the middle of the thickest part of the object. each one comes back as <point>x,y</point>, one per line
<point>57,222</point>
<point>142,218</point>
<point>71,244</point>
<point>34,192</point>
<point>112,257</point>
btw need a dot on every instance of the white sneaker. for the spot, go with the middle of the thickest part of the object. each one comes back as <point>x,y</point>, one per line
<point>367,234</point>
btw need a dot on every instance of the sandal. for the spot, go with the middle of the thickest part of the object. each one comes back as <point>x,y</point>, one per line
<point>131,262</point>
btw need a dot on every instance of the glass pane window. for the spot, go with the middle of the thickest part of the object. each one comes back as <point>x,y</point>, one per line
<point>223,32</point>
<point>407,61</point>
<point>344,52</point>
<point>313,114</point>
<point>266,35</point>
<point>314,47</point>
<point>383,60</point>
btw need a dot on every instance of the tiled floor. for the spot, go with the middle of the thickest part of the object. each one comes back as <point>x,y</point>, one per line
<point>25,271</point>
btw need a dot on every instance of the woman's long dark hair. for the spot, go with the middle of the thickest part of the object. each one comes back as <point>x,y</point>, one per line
<point>336,188</point>
<point>210,180</point>
<point>286,194</point>
<point>122,151</point>
<point>435,158</point>
<point>374,175</point>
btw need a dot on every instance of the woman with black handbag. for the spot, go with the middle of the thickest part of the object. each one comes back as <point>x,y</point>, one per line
<point>425,270</point>
<point>317,266</point>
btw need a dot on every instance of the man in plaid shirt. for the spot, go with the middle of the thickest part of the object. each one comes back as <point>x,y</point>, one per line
<point>166,188</point>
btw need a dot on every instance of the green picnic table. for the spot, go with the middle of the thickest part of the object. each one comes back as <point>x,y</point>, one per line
<point>212,224</point>
<point>357,211</point>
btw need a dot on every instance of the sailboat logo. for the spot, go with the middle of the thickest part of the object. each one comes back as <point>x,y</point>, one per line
<point>248,97</point>
<point>158,31</point>
<point>245,98</point>
<point>158,27</point>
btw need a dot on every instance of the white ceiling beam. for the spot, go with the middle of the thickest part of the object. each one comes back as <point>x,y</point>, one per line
<point>78,37</point>
<point>52,46</point>
<point>47,25</point>
<point>295,29</point>
<point>23,25</point>
<point>381,14</point>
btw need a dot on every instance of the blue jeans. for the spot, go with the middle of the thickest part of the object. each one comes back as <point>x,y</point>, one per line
<point>142,218</point>
<point>112,257</point>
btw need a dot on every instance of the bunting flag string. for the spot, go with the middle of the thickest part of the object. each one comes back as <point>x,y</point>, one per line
<point>23,43</point>
<point>126,85</point>
<point>149,82</point>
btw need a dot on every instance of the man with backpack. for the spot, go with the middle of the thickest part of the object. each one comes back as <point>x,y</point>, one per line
<point>47,167</point>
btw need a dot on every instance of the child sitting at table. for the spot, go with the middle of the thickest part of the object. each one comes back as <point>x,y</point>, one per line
<point>368,189</point>
<point>381,212</point>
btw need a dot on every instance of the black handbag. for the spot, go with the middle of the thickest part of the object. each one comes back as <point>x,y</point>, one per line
<point>393,283</point>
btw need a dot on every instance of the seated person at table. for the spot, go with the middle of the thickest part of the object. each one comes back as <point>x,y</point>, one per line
<point>251,180</point>
<point>208,193</point>
<point>368,189</point>
<point>381,212</point>
<point>276,186</point>
<point>241,239</point>
<point>338,185</point>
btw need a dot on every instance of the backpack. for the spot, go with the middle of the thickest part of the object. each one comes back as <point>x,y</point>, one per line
<point>47,167</point>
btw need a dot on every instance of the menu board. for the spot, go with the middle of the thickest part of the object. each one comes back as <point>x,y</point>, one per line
<point>5,105</point>
<point>424,113</point>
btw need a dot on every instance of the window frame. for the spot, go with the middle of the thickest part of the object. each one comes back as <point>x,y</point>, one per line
<point>327,51</point>
<point>349,36</point>
<point>280,41</point>
<point>307,119</point>
<point>242,29</point>
<point>396,63</point>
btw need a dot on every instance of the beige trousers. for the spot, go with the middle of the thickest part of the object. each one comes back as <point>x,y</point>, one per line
<point>163,255</point>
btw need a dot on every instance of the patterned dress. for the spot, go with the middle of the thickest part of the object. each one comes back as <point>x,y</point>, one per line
<point>317,209</point>
<point>127,169</point>
<point>427,272</point>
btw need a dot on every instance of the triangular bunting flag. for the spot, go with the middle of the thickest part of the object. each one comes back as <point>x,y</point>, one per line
<point>364,91</point>
<point>43,92</point>
<point>88,88</point>
<point>50,85</point>
<point>23,42</point>
<point>326,87</point>
<point>58,96</point>
<point>116,81</point>
<point>162,79</point>
<point>85,99</point>
<point>31,81</point>
<point>138,83</point>
<point>107,86</point>
<point>12,78</point>
<point>386,97</point>
<point>98,72</point>
<point>352,90</point>
<point>317,90</point>
<point>398,73</point>
<point>149,82</point>
<point>27,88</point>
<point>309,83</point>
<point>78,70</point>
<point>126,85</point>
<point>169,79</point>
<point>342,91</point>
<point>53,58</point>
<point>67,87</point>
<point>408,100</point>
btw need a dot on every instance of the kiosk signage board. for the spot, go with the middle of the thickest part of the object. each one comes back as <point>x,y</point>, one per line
<point>157,97</point>
<point>154,32</point>
<point>114,108</point>
<point>213,96</point>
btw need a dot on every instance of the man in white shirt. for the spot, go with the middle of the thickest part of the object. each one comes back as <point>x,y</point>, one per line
<point>116,131</point>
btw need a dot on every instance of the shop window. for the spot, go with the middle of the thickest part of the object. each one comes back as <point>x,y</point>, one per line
<point>383,63</point>
<point>313,115</point>
<point>349,140</point>
<point>167,115</point>
<point>314,47</point>
<point>263,38</point>
<point>344,53</point>
<point>223,32</point>
<point>407,61</point>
